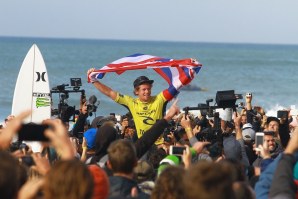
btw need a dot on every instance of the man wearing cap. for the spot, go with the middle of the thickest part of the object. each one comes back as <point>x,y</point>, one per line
<point>248,136</point>
<point>145,109</point>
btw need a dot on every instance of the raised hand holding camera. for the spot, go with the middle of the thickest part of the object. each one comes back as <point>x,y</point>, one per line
<point>248,97</point>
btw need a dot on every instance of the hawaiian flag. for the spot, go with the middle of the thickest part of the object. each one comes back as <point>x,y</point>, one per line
<point>177,77</point>
<point>176,72</point>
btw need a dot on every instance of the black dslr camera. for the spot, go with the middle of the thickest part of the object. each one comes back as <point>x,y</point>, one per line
<point>174,128</point>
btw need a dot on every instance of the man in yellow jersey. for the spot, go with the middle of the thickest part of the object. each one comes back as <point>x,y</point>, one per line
<point>145,109</point>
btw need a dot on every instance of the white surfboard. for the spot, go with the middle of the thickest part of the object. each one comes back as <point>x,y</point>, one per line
<point>32,90</point>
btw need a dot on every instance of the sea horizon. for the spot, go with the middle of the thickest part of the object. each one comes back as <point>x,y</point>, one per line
<point>158,41</point>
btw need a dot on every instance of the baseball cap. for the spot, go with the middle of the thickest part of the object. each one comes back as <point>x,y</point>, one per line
<point>142,80</point>
<point>270,119</point>
<point>247,132</point>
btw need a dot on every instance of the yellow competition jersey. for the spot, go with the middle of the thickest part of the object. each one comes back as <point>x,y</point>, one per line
<point>145,114</point>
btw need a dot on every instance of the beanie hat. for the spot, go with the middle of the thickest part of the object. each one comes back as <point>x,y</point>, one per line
<point>90,137</point>
<point>169,160</point>
<point>232,148</point>
<point>101,182</point>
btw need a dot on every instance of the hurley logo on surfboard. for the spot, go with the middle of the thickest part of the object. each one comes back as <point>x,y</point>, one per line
<point>42,76</point>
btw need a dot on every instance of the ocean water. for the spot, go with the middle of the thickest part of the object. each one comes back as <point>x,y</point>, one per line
<point>269,72</point>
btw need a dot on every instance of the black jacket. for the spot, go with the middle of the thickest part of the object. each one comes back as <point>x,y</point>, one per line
<point>120,187</point>
<point>79,126</point>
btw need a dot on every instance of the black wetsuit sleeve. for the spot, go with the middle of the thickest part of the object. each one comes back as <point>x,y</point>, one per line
<point>144,143</point>
<point>283,185</point>
<point>79,126</point>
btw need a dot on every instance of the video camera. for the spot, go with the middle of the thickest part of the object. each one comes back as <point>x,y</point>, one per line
<point>224,99</point>
<point>91,107</point>
<point>65,111</point>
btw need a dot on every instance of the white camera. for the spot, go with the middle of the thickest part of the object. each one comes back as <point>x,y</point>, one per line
<point>248,94</point>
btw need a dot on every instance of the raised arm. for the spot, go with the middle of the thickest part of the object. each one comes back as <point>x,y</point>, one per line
<point>248,99</point>
<point>102,87</point>
<point>185,123</point>
<point>237,121</point>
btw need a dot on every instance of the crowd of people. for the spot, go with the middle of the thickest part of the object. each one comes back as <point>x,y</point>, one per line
<point>138,156</point>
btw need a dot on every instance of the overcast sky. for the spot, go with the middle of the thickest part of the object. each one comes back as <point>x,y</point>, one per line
<point>253,21</point>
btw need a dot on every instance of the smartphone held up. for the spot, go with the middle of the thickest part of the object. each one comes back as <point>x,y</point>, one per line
<point>259,139</point>
<point>33,132</point>
<point>177,150</point>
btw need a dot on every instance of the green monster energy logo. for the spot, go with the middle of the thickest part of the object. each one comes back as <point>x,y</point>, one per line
<point>42,102</point>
